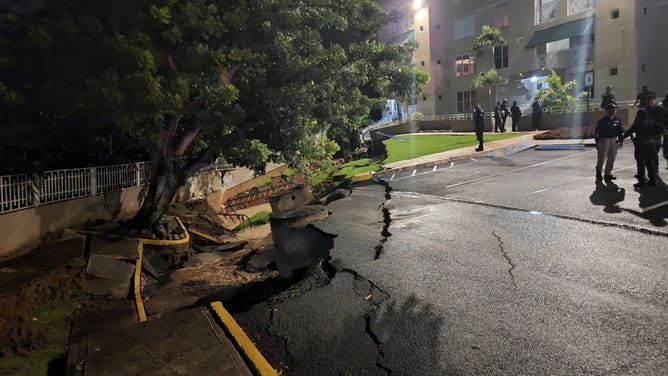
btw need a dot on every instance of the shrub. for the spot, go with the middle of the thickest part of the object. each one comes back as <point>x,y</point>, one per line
<point>258,219</point>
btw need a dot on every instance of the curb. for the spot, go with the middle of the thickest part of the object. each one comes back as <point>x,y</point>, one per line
<point>141,312</point>
<point>250,351</point>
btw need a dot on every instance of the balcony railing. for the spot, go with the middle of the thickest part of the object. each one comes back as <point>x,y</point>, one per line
<point>577,6</point>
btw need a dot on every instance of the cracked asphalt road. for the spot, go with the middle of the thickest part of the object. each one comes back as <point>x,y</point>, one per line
<point>480,279</point>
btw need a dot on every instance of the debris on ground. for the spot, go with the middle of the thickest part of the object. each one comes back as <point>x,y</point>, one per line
<point>567,133</point>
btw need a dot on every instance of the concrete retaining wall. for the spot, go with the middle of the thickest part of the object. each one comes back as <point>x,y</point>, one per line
<point>548,121</point>
<point>24,229</point>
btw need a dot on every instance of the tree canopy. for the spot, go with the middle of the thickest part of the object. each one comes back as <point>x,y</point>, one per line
<point>187,81</point>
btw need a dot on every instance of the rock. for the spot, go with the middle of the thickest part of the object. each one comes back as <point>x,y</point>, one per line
<point>337,195</point>
<point>157,260</point>
<point>133,232</point>
<point>161,232</point>
<point>172,226</point>
<point>147,234</point>
<point>259,260</point>
<point>202,259</point>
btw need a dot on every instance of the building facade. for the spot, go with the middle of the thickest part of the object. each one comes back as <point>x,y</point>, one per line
<point>597,43</point>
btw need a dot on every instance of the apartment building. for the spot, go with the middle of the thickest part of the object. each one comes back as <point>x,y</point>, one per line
<point>597,43</point>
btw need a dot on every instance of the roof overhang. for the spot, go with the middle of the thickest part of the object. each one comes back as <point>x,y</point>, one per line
<point>571,29</point>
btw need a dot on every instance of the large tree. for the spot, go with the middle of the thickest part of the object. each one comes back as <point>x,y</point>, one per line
<point>190,80</point>
<point>489,37</point>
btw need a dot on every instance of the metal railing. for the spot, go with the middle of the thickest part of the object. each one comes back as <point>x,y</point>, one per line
<point>22,191</point>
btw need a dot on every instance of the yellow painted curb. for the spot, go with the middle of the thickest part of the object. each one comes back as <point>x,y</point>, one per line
<point>141,312</point>
<point>362,177</point>
<point>259,363</point>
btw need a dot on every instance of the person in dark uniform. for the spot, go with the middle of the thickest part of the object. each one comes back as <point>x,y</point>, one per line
<point>645,98</point>
<point>645,129</point>
<point>497,118</point>
<point>657,114</point>
<point>608,131</point>
<point>479,122</point>
<point>536,114</point>
<point>607,98</point>
<point>504,114</point>
<point>664,121</point>
<point>515,116</point>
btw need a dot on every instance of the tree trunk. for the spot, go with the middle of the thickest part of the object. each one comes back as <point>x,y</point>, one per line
<point>164,183</point>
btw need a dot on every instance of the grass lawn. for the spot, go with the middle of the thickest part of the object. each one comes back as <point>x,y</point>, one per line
<point>359,166</point>
<point>419,145</point>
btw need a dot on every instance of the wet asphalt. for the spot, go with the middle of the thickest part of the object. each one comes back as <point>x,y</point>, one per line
<point>505,265</point>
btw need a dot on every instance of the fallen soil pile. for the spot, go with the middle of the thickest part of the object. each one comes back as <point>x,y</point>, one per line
<point>20,332</point>
<point>567,133</point>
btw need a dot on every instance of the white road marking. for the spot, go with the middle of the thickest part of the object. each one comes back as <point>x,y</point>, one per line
<point>517,169</point>
<point>473,159</point>
<point>452,163</point>
<point>435,167</point>
<point>431,172</point>
<point>414,171</point>
<point>655,206</point>
<point>392,177</point>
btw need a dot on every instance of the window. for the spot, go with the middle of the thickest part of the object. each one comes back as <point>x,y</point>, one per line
<point>558,45</point>
<point>422,63</point>
<point>501,57</point>
<point>577,6</point>
<point>421,28</point>
<point>546,10</point>
<point>614,14</point>
<point>424,98</point>
<point>465,101</point>
<point>464,28</point>
<point>613,71</point>
<point>464,65</point>
<point>440,96</point>
<point>438,61</point>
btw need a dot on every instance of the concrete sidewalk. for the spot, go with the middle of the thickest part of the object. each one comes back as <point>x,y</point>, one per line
<point>508,146</point>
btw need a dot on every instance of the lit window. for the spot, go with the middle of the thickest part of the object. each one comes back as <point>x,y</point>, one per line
<point>501,57</point>
<point>464,65</point>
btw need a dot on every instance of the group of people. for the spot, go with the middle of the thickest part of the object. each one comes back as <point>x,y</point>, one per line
<point>501,114</point>
<point>649,126</point>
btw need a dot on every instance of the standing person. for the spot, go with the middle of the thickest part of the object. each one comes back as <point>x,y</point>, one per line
<point>515,116</point>
<point>608,131</point>
<point>504,114</point>
<point>645,98</point>
<point>479,122</point>
<point>536,114</point>
<point>664,121</point>
<point>607,98</point>
<point>645,129</point>
<point>497,118</point>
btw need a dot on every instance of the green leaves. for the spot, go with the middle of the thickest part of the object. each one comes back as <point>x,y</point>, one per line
<point>489,79</point>
<point>557,94</point>
<point>489,37</point>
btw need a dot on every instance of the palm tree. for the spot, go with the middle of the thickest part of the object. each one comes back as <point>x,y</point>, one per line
<point>490,79</point>
<point>490,37</point>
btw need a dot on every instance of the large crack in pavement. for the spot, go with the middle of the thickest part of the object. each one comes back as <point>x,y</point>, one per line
<point>283,340</point>
<point>505,255</point>
<point>375,296</point>
<point>387,219</point>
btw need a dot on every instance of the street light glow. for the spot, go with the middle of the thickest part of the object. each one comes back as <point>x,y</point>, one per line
<point>417,4</point>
